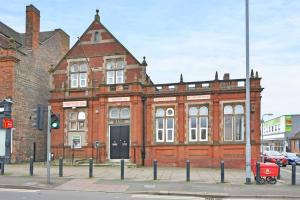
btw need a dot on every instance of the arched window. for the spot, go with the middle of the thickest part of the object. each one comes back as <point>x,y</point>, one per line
<point>164,118</point>
<point>114,113</point>
<point>125,113</point>
<point>193,111</point>
<point>234,122</point>
<point>77,121</point>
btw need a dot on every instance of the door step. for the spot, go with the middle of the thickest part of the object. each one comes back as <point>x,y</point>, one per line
<point>106,164</point>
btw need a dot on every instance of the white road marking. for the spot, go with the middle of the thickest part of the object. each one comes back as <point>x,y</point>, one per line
<point>17,190</point>
<point>148,196</point>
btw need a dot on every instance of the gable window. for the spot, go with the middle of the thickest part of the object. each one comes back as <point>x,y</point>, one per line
<point>78,75</point>
<point>198,123</point>
<point>164,123</point>
<point>115,71</point>
<point>233,123</point>
<point>77,121</point>
<point>96,36</point>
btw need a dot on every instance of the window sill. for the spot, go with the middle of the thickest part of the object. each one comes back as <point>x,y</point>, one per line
<point>77,89</point>
<point>233,142</point>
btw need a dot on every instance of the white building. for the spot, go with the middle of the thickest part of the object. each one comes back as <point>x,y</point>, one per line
<point>278,131</point>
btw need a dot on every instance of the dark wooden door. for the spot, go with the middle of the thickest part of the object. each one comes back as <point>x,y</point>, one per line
<point>119,142</point>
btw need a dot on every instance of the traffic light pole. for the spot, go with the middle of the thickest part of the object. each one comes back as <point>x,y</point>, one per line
<point>48,145</point>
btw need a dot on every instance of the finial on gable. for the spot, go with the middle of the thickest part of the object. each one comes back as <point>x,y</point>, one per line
<point>216,76</point>
<point>144,63</point>
<point>181,78</point>
<point>97,17</point>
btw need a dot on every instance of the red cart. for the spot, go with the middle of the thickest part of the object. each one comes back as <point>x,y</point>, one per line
<point>268,172</point>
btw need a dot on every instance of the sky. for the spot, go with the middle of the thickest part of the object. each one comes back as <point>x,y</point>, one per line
<point>192,37</point>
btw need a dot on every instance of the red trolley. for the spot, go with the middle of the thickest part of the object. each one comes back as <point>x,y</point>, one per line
<point>268,172</point>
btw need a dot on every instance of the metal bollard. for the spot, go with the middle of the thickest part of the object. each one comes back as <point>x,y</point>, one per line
<point>222,172</point>
<point>122,169</point>
<point>294,174</point>
<point>91,167</point>
<point>155,170</point>
<point>188,170</point>
<point>257,179</point>
<point>31,166</point>
<point>2,167</point>
<point>60,167</point>
<point>278,163</point>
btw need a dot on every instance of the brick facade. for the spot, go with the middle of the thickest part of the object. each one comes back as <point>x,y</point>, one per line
<point>136,92</point>
<point>25,60</point>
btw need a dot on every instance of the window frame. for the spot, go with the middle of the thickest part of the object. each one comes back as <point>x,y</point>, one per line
<point>114,70</point>
<point>76,121</point>
<point>198,116</point>
<point>234,115</point>
<point>78,75</point>
<point>166,119</point>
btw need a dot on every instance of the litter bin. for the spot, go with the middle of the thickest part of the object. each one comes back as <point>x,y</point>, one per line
<point>268,172</point>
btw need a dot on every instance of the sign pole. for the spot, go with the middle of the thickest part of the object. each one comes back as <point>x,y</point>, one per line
<point>48,145</point>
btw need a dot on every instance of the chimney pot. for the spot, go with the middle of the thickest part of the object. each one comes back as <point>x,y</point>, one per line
<point>226,76</point>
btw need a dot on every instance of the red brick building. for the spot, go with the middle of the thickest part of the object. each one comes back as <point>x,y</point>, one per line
<point>105,99</point>
<point>25,60</point>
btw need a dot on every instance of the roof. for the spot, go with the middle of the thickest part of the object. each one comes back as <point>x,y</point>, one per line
<point>20,37</point>
<point>9,32</point>
<point>296,136</point>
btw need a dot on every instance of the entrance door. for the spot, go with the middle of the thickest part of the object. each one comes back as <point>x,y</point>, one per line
<point>119,142</point>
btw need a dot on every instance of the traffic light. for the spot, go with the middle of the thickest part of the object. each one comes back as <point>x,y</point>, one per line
<point>38,117</point>
<point>54,121</point>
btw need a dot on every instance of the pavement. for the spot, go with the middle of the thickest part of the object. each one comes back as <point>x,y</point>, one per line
<point>204,182</point>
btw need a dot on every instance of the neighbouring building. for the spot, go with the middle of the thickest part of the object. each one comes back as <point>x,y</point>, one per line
<point>110,110</point>
<point>25,60</point>
<point>278,132</point>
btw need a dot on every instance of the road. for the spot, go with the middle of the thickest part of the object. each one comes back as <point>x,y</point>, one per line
<point>23,194</point>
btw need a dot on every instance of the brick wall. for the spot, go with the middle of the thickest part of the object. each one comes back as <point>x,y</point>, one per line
<point>32,85</point>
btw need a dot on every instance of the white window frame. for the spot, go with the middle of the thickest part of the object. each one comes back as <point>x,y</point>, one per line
<point>190,128</point>
<point>76,82</point>
<point>233,116</point>
<point>159,129</point>
<point>114,77</point>
<point>169,129</point>
<point>165,128</point>
<point>198,128</point>
<point>205,128</point>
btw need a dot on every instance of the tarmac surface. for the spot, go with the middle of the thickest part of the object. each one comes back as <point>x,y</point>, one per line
<point>204,182</point>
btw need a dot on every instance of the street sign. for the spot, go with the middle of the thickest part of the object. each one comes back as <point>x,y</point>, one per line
<point>8,123</point>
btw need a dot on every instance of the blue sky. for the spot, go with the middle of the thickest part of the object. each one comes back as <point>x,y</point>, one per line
<point>193,37</point>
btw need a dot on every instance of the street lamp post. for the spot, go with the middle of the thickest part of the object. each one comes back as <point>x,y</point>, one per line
<point>248,144</point>
<point>262,134</point>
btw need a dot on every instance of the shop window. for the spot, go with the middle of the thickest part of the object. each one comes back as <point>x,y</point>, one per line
<point>78,75</point>
<point>115,71</point>
<point>198,123</point>
<point>77,121</point>
<point>164,123</point>
<point>233,123</point>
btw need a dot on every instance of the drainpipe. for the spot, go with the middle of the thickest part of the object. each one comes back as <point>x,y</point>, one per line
<point>143,131</point>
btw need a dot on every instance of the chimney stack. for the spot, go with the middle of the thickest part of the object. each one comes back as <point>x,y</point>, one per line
<point>32,27</point>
